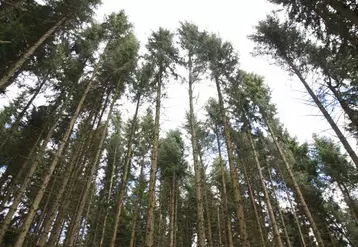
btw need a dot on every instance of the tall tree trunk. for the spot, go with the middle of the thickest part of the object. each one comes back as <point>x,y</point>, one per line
<point>52,166</point>
<point>58,225</point>
<point>72,231</point>
<point>208,216</point>
<point>233,173</point>
<point>149,231</point>
<point>5,79</point>
<point>90,204</point>
<point>279,208</point>
<point>123,183</point>
<point>349,200</point>
<point>22,113</point>
<point>253,203</point>
<point>172,212</point>
<point>295,186</point>
<point>276,231</point>
<point>351,113</point>
<point>108,199</point>
<point>219,227</point>
<point>24,185</point>
<point>137,204</point>
<point>328,117</point>
<point>194,144</point>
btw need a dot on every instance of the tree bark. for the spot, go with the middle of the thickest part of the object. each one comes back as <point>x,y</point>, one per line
<point>5,79</point>
<point>149,231</point>
<point>275,228</point>
<point>227,218</point>
<point>194,143</point>
<point>295,186</point>
<point>24,185</point>
<point>137,205</point>
<point>253,203</point>
<point>219,227</point>
<point>328,117</point>
<point>172,212</point>
<point>123,184</point>
<point>279,208</point>
<point>72,232</point>
<point>233,173</point>
<point>52,166</point>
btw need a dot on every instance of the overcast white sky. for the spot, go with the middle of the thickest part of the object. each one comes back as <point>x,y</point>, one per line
<point>233,20</point>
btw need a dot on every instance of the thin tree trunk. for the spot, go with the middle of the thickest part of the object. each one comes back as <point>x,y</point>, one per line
<point>58,225</point>
<point>52,166</point>
<point>296,187</point>
<point>253,203</point>
<point>349,200</point>
<point>22,113</point>
<point>275,228</point>
<point>137,205</point>
<point>123,184</point>
<point>328,117</point>
<point>5,79</point>
<point>219,227</point>
<point>172,212</point>
<point>90,204</point>
<point>233,173</point>
<point>149,231</point>
<point>194,143</point>
<point>279,209</point>
<point>108,198</point>
<point>72,232</point>
<point>207,209</point>
<point>24,185</point>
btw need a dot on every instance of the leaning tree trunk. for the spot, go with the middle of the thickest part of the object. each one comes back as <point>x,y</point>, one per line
<point>72,232</point>
<point>276,231</point>
<point>149,231</point>
<point>194,144</point>
<point>24,185</point>
<point>349,200</point>
<point>253,204</point>
<point>22,113</point>
<point>5,79</point>
<point>328,117</point>
<point>75,160</point>
<point>279,208</point>
<point>233,173</point>
<point>52,166</point>
<point>126,170</point>
<point>295,186</point>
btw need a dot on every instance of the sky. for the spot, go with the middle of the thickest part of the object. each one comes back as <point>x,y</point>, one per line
<point>233,20</point>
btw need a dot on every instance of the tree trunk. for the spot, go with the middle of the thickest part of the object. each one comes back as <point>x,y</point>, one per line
<point>24,185</point>
<point>275,228</point>
<point>5,79</point>
<point>349,200</point>
<point>52,166</point>
<point>253,203</point>
<point>295,186</point>
<point>123,184</point>
<point>149,231</point>
<point>328,117</point>
<point>194,143</point>
<point>172,212</point>
<point>72,232</point>
<point>137,204</point>
<point>22,113</point>
<point>219,227</point>
<point>108,199</point>
<point>233,173</point>
<point>279,209</point>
